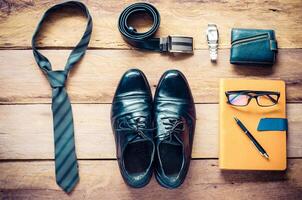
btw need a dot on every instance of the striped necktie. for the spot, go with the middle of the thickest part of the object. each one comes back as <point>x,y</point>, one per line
<point>66,164</point>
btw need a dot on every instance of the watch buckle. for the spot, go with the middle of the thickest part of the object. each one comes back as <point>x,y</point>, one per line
<point>176,44</point>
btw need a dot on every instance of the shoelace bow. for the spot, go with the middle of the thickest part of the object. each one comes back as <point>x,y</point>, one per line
<point>172,126</point>
<point>136,124</point>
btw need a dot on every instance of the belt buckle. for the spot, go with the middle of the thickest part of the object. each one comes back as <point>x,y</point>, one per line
<point>176,44</point>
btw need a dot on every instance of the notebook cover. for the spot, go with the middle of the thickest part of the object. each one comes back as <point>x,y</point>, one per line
<point>236,150</point>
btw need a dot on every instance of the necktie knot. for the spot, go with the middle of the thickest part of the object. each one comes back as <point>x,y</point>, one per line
<point>57,78</point>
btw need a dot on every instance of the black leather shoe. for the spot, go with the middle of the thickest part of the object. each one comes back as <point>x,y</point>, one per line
<point>132,125</point>
<point>175,118</point>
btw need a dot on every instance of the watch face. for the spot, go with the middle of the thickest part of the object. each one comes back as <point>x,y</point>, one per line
<point>212,35</point>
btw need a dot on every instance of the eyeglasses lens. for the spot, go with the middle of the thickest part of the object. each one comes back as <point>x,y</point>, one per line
<point>238,99</point>
<point>267,100</point>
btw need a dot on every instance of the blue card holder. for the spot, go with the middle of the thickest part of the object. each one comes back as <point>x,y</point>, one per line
<point>273,124</point>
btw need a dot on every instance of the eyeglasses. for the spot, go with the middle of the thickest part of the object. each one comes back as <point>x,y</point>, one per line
<point>243,97</point>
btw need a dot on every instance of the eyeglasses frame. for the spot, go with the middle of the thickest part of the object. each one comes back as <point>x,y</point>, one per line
<point>248,93</point>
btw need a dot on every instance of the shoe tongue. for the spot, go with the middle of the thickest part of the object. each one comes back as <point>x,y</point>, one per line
<point>174,142</point>
<point>137,139</point>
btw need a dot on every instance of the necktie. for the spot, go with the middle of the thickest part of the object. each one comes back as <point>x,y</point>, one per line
<point>66,164</point>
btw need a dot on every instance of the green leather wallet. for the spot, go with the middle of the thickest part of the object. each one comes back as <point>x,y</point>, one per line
<point>253,46</point>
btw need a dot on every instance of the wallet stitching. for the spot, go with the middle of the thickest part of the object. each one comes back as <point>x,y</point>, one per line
<point>252,38</point>
<point>243,43</point>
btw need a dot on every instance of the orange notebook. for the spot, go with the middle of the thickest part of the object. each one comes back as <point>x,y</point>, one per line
<point>236,150</point>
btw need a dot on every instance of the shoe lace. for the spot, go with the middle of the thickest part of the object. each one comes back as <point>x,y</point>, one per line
<point>136,124</point>
<point>172,126</point>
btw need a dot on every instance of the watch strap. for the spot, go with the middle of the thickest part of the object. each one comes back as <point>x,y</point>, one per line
<point>213,51</point>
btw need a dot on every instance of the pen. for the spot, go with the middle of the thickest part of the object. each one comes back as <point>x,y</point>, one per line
<point>250,136</point>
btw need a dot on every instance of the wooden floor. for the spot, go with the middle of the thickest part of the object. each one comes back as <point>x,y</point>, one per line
<point>26,136</point>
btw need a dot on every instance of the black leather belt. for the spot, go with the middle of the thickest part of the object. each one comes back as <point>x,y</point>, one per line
<point>175,44</point>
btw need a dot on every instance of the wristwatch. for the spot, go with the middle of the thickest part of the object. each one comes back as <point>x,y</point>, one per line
<point>212,38</point>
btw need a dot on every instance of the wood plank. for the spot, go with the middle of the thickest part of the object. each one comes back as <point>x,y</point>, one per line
<point>18,19</point>
<point>26,131</point>
<point>95,79</point>
<point>101,179</point>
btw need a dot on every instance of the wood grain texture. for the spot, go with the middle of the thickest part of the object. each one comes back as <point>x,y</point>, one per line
<point>95,78</point>
<point>26,135</point>
<point>26,131</point>
<point>101,180</point>
<point>18,19</point>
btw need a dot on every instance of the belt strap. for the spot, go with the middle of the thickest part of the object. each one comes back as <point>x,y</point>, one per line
<point>145,40</point>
